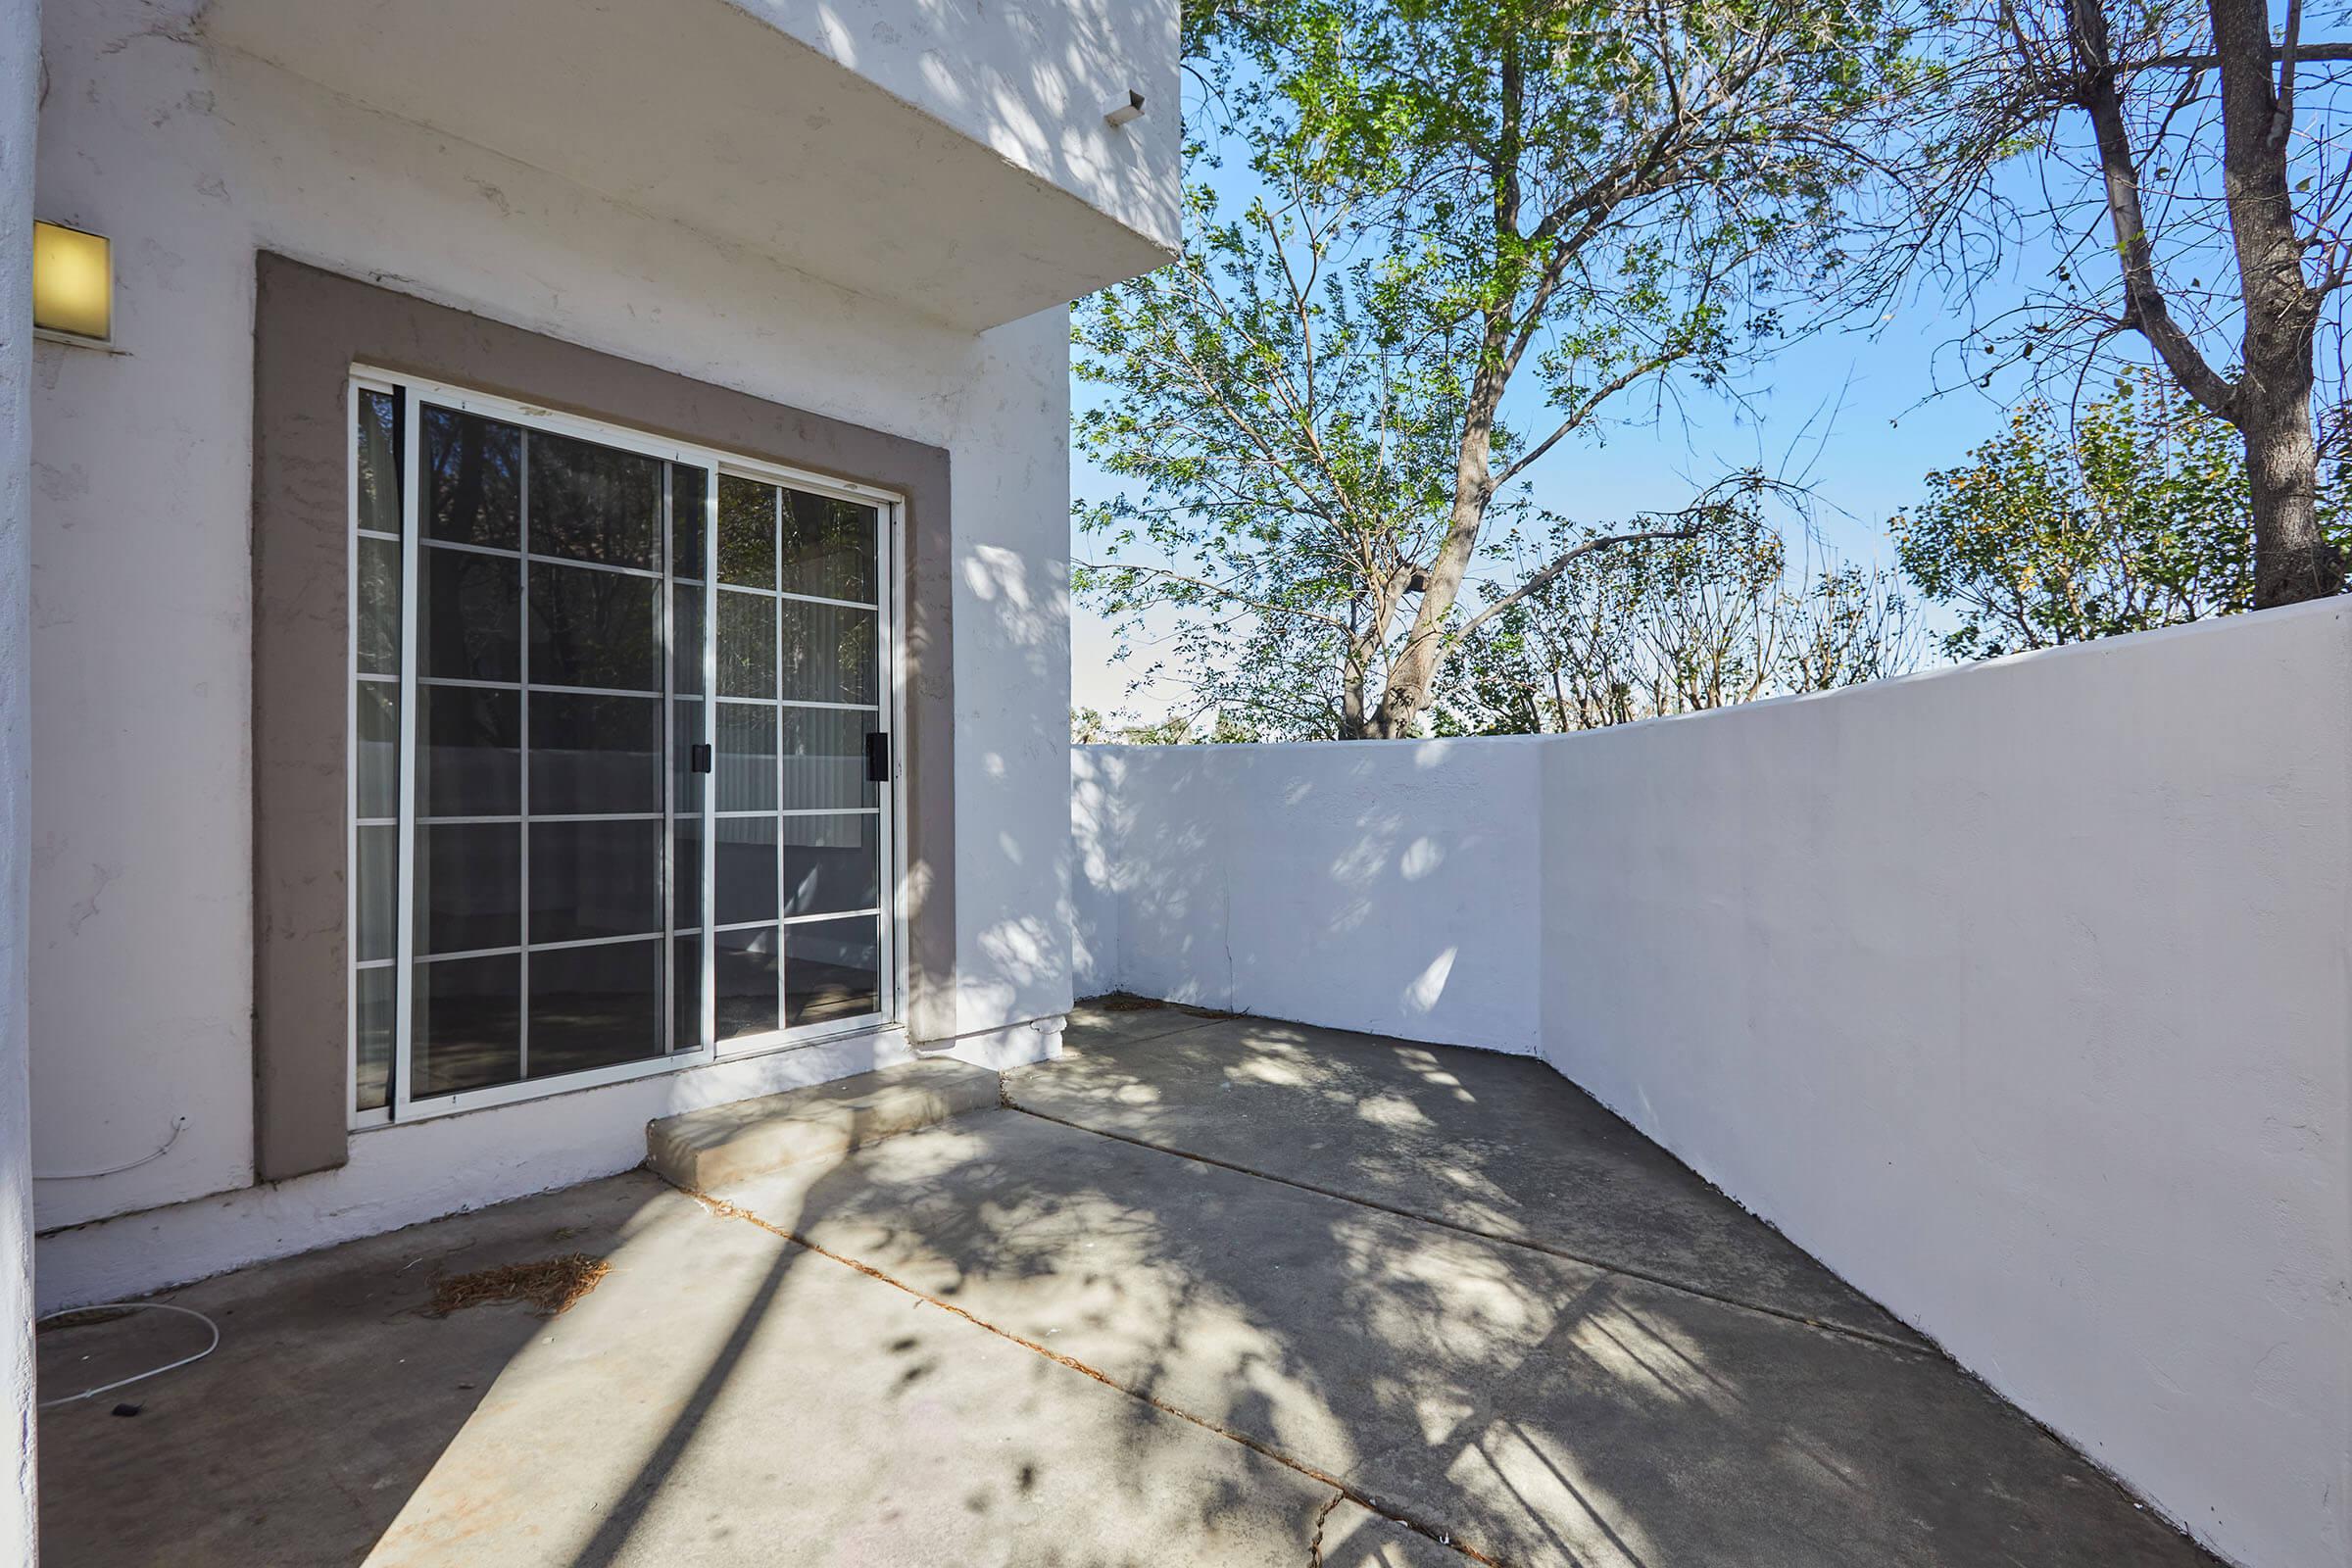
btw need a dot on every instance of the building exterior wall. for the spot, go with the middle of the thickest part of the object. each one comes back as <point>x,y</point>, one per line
<point>192,159</point>
<point>19,36</point>
<point>2017,994</point>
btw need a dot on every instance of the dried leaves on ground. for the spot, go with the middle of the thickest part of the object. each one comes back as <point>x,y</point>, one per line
<point>1129,1002</point>
<point>1123,1002</point>
<point>552,1285</point>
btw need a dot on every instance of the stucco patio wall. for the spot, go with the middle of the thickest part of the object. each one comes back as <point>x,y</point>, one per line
<point>2018,994</point>
<point>1393,889</point>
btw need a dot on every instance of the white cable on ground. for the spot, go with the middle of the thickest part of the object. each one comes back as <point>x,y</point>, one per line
<point>161,1149</point>
<point>136,1377</point>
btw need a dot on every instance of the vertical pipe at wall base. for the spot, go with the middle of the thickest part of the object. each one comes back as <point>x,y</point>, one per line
<point>19,109</point>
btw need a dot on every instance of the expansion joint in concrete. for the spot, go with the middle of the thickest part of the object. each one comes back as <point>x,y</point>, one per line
<point>1499,1238</point>
<point>1341,1489</point>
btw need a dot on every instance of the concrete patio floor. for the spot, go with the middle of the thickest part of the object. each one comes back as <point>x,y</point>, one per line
<point>1208,1291</point>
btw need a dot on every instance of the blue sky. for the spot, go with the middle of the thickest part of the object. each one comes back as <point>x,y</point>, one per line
<point>1850,408</point>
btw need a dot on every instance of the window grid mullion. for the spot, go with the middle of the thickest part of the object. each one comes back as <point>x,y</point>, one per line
<point>706,907</point>
<point>666,968</point>
<point>776,663</point>
<point>817,917</point>
<point>510,950</point>
<point>412,516</point>
<point>649,695</point>
<point>469,548</point>
<point>544,816</point>
<point>522,737</point>
<point>355,401</point>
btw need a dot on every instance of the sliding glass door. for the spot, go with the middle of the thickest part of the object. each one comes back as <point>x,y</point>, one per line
<point>620,767</point>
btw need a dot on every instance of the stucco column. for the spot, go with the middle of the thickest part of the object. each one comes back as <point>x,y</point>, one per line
<point>20,77</point>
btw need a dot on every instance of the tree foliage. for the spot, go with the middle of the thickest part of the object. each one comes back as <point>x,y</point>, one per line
<point>1601,205</point>
<point>1288,447</point>
<point>2133,514</point>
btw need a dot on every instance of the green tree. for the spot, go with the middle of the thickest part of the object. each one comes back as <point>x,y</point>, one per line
<point>2136,515</point>
<point>1600,205</point>
<point>2194,164</point>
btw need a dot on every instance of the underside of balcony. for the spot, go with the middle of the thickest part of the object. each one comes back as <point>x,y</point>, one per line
<point>996,190</point>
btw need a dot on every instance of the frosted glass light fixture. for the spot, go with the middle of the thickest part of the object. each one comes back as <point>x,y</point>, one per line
<point>73,283</point>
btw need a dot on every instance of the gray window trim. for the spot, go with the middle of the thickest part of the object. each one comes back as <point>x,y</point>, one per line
<point>310,328</point>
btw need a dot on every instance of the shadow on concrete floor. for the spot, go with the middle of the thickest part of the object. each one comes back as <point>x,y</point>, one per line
<point>1443,1285</point>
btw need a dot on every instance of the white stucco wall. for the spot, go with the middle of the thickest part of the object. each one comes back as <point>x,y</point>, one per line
<point>1386,889</point>
<point>2020,994</point>
<point>142,886</point>
<point>401,1175</point>
<point>20,38</point>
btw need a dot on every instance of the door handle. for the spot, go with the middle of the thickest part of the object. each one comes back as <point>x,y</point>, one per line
<point>877,758</point>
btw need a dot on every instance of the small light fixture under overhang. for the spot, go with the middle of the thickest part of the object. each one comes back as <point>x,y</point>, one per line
<point>1129,108</point>
<point>72,284</point>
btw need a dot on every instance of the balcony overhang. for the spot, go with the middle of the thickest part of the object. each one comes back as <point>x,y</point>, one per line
<point>996,192</point>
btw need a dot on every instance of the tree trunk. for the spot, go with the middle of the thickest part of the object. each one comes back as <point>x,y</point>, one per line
<point>1415,673</point>
<point>1356,665</point>
<point>2292,560</point>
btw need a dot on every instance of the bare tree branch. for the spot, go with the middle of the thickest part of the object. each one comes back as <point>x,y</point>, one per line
<point>1562,561</point>
<point>2097,95</point>
<point>2310,53</point>
<point>1231,595</point>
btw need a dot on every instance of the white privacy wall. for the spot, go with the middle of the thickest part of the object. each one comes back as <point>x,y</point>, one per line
<point>1392,889</point>
<point>191,158</point>
<point>2020,994</point>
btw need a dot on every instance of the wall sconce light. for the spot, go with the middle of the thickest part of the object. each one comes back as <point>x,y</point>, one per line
<point>72,284</point>
<point>1126,108</point>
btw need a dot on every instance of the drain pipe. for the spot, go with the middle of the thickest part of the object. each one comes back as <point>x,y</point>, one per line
<point>1016,1051</point>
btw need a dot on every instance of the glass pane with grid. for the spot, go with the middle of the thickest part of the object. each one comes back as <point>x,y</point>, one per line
<point>798,840</point>
<point>544,772</point>
<point>378,440</point>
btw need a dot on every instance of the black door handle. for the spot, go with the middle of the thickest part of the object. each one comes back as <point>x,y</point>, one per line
<point>877,758</point>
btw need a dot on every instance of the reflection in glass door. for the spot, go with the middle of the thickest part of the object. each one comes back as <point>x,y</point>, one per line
<point>799,827</point>
<point>619,783</point>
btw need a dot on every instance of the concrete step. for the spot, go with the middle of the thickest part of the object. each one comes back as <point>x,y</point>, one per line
<point>700,1150</point>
